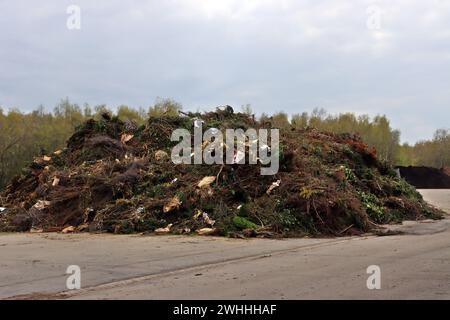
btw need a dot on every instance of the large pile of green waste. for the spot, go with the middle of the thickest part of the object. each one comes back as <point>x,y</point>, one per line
<point>115,176</point>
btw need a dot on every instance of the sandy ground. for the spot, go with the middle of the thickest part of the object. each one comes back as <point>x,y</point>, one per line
<point>415,265</point>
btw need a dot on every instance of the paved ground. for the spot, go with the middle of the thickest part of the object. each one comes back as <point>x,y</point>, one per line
<point>439,197</point>
<point>415,265</point>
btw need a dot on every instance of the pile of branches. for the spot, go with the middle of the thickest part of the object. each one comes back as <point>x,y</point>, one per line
<point>115,176</point>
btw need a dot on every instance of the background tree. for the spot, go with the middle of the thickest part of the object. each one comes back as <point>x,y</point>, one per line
<point>167,107</point>
<point>280,120</point>
<point>130,114</point>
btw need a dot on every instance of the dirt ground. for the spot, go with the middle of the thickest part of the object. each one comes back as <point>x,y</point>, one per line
<point>414,265</point>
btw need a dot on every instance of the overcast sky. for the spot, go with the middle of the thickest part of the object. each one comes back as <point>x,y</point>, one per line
<point>375,57</point>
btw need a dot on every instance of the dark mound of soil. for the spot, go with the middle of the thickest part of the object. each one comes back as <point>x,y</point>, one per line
<point>118,177</point>
<point>426,177</point>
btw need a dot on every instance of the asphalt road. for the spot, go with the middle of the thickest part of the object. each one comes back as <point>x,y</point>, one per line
<point>415,265</point>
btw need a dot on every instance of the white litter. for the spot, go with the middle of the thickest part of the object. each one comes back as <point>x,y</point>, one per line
<point>274,185</point>
<point>41,204</point>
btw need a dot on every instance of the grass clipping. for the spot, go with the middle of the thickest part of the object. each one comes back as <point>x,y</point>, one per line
<point>114,176</point>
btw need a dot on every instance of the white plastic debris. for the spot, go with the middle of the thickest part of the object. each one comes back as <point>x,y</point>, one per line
<point>41,204</point>
<point>274,185</point>
<point>186,230</point>
<point>205,217</point>
<point>2,209</point>
<point>140,210</point>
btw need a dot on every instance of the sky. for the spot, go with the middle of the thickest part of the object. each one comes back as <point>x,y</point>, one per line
<point>368,57</point>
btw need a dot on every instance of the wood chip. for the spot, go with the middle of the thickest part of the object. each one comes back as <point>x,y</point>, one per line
<point>207,231</point>
<point>55,181</point>
<point>206,181</point>
<point>69,229</point>
<point>126,137</point>
<point>173,204</point>
<point>163,230</point>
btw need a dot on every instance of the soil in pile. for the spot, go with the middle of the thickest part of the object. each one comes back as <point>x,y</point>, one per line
<point>426,177</point>
<point>115,176</point>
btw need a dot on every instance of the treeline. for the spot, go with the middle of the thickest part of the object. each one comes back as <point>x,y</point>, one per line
<point>431,153</point>
<point>375,132</point>
<point>25,135</point>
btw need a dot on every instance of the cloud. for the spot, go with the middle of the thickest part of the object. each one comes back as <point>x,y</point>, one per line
<point>276,55</point>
